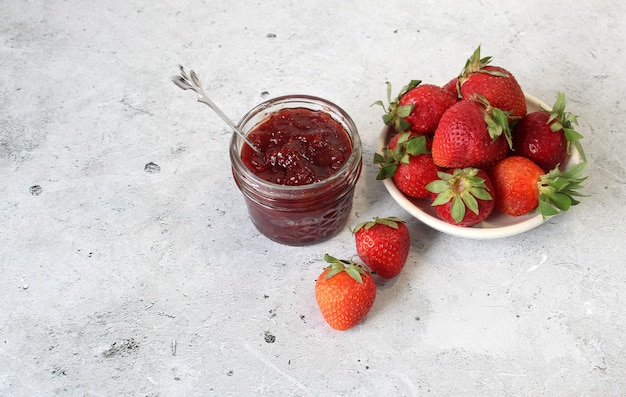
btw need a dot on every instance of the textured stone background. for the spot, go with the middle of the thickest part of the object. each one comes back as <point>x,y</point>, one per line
<point>129,266</point>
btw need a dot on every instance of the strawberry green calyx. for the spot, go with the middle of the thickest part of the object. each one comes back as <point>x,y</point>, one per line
<point>406,146</point>
<point>395,114</point>
<point>463,187</point>
<point>341,265</point>
<point>476,64</point>
<point>558,190</point>
<point>497,120</point>
<point>390,221</point>
<point>565,121</point>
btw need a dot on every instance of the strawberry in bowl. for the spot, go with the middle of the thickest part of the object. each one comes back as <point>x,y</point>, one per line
<point>486,127</point>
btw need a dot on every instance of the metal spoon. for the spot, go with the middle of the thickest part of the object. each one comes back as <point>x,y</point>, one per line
<point>191,81</point>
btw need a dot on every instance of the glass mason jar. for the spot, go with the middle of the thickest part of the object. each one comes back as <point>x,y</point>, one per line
<point>305,214</point>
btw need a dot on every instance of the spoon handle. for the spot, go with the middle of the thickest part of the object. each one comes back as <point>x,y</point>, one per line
<point>204,99</point>
<point>191,81</point>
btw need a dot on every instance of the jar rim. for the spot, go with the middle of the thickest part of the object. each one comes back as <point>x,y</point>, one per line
<point>331,108</point>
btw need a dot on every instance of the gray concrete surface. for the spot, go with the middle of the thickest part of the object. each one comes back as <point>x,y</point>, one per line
<point>130,268</point>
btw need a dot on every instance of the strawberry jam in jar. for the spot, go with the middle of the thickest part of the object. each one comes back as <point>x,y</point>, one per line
<point>299,189</point>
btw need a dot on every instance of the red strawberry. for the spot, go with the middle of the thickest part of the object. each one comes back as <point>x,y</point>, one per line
<point>465,188</point>
<point>496,84</point>
<point>412,178</point>
<point>383,245</point>
<point>546,137</point>
<point>471,133</point>
<point>417,108</point>
<point>344,292</point>
<point>408,162</point>
<point>521,186</point>
<point>452,86</point>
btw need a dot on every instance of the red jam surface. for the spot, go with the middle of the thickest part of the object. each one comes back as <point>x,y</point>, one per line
<point>300,146</point>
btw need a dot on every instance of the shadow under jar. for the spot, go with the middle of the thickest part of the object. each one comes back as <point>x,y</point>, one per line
<point>299,190</point>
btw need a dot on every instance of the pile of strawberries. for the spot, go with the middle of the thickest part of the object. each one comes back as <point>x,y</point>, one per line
<point>470,147</point>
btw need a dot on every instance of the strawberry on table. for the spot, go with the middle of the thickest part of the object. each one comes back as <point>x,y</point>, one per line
<point>471,133</point>
<point>463,197</point>
<point>546,137</point>
<point>345,293</point>
<point>495,83</point>
<point>417,108</point>
<point>521,186</point>
<point>383,244</point>
<point>407,160</point>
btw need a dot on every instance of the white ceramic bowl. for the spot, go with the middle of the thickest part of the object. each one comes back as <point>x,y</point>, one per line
<point>497,225</point>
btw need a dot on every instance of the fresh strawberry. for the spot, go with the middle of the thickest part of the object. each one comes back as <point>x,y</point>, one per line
<point>452,86</point>
<point>344,292</point>
<point>383,245</point>
<point>472,133</point>
<point>521,186</point>
<point>412,178</point>
<point>417,108</point>
<point>495,83</point>
<point>546,137</point>
<point>407,160</point>
<point>462,190</point>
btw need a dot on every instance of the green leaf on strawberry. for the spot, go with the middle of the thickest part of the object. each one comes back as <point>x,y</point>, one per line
<point>496,119</point>
<point>394,113</point>
<point>390,221</point>
<point>339,265</point>
<point>416,146</point>
<point>462,190</point>
<point>406,146</point>
<point>476,64</point>
<point>558,190</point>
<point>565,121</point>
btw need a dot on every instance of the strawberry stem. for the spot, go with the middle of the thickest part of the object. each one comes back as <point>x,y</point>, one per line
<point>390,221</point>
<point>558,190</point>
<point>565,121</point>
<point>337,266</point>
<point>394,114</point>
<point>497,120</point>
<point>476,64</point>
<point>391,158</point>
<point>463,187</point>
